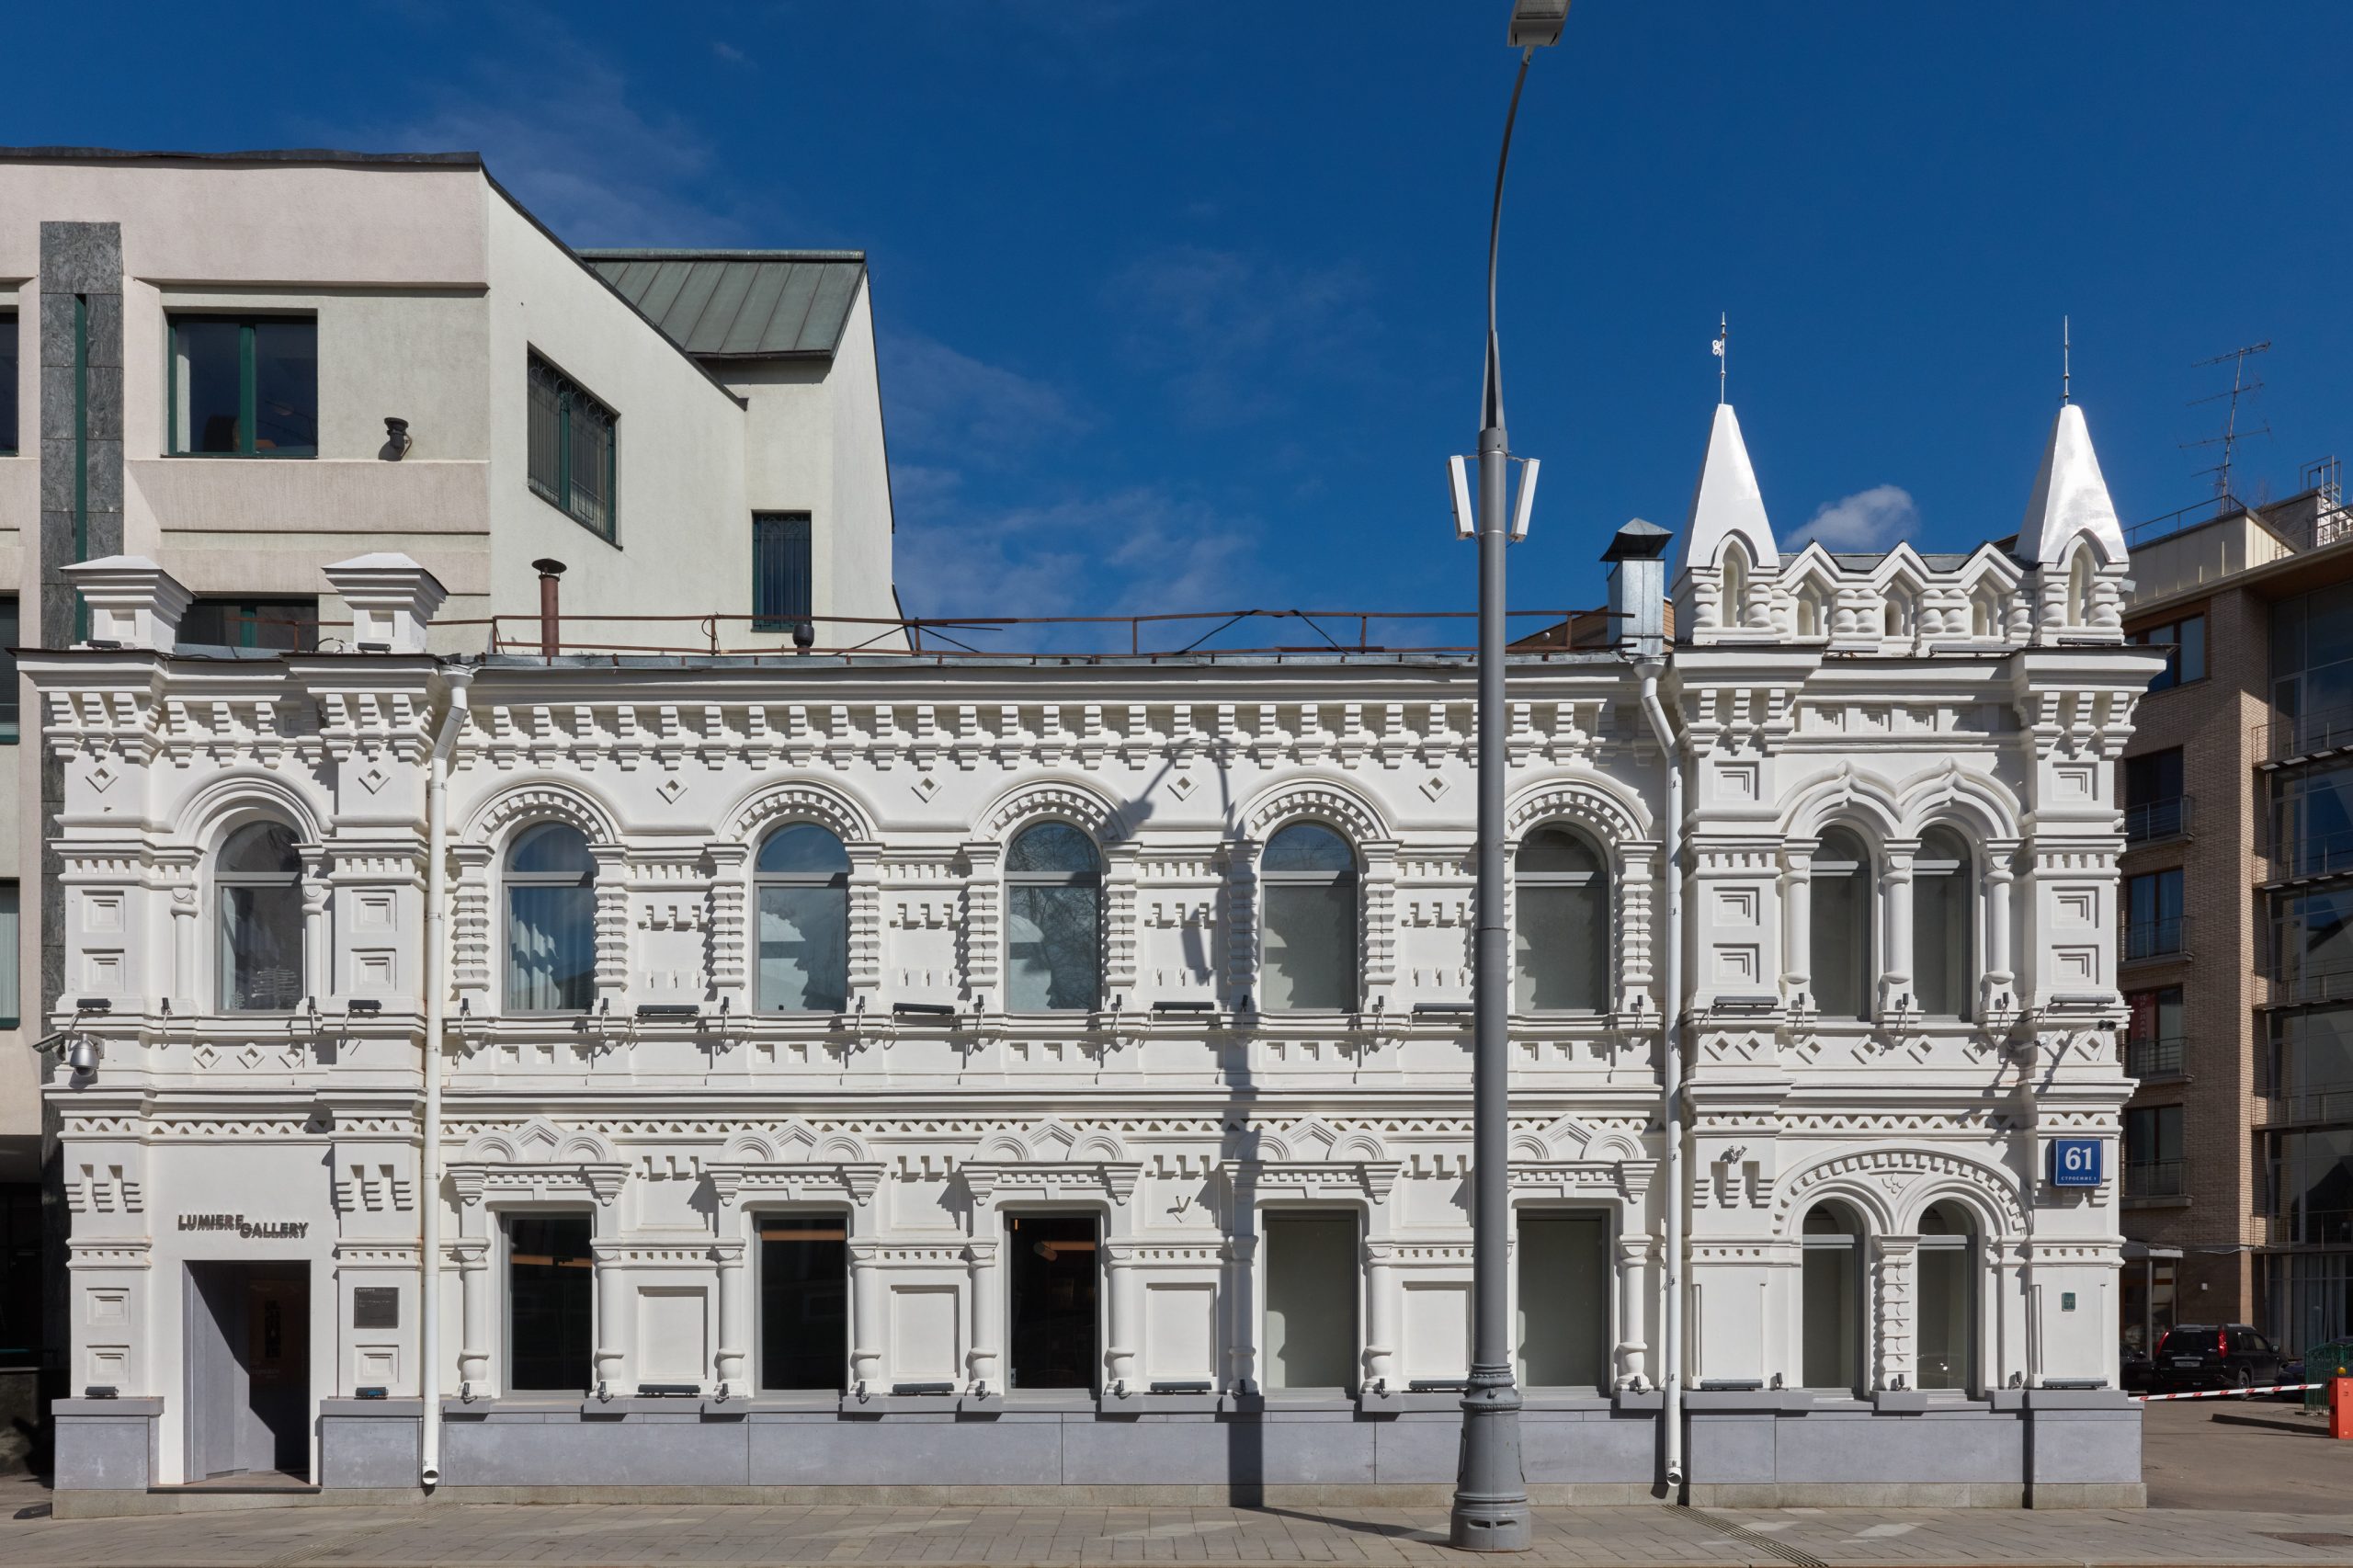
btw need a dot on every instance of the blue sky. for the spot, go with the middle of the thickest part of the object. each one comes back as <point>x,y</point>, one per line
<point>1181,301</point>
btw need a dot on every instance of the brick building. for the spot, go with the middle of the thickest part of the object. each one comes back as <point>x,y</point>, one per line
<point>2237,952</point>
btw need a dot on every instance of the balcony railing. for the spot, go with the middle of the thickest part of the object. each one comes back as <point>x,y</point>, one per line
<point>2158,1056</point>
<point>2313,854</point>
<point>2153,819</point>
<point>2155,939</point>
<point>2333,1103</point>
<point>2285,739</point>
<point>2298,1223</point>
<point>2156,1179</point>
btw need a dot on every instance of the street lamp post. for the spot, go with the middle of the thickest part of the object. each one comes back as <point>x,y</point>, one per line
<point>1490,1489</point>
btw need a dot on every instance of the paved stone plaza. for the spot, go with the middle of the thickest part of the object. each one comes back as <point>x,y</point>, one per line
<point>463,1534</point>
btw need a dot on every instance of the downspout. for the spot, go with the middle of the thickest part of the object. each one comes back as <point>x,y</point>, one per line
<point>434,967</point>
<point>1671,1075</point>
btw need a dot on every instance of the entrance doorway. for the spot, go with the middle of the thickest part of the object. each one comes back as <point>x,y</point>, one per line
<point>1054,1341</point>
<point>249,1339</point>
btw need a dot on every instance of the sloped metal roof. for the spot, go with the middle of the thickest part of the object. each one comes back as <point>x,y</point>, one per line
<point>739,304</point>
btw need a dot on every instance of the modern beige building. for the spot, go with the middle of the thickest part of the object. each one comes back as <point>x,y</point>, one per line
<point>2237,948</point>
<point>246,366</point>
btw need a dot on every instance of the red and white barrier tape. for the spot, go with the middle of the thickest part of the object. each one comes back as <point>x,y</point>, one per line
<point>2228,1393</point>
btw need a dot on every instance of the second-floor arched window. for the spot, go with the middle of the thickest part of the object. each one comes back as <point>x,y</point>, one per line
<point>1560,925</point>
<point>260,880</point>
<point>1839,934</point>
<point>551,921</point>
<point>1940,934</point>
<point>1309,901</point>
<point>802,879</point>
<point>1053,921</point>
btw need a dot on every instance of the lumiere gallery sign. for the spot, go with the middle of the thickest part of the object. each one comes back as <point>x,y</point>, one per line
<point>248,1230</point>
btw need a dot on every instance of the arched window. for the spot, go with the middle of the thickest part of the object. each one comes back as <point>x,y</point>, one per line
<point>1831,1311</point>
<point>1985,612</point>
<point>1840,933</point>
<point>1813,619</point>
<point>1735,585</point>
<point>260,880</point>
<point>802,879</point>
<point>551,921</point>
<point>1560,930</point>
<point>1940,934</point>
<point>2079,587</point>
<point>1054,924</point>
<point>1948,1300</point>
<point>1309,874</point>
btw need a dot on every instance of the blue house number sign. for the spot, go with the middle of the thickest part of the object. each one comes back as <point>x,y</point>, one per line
<point>2075,1162</point>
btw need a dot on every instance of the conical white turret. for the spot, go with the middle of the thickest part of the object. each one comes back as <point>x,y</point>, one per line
<point>1727,503</point>
<point>2070,499</point>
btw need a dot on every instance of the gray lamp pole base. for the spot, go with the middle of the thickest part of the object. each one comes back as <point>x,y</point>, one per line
<point>1491,1510</point>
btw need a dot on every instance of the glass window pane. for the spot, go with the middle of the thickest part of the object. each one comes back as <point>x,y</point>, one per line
<point>1311,1300</point>
<point>1940,943</point>
<point>590,465</point>
<point>1948,1317</point>
<point>8,433</point>
<point>804,949</point>
<point>1053,847</point>
<point>2192,660</point>
<point>1839,942</point>
<point>1053,1333</point>
<point>1311,947</point>
<point>1054,947</point>
<point>286,388</point>
<point>261,949</point>
<point>262,847</point>
<point>11,935</point>
<point>1560,953</point>
<point>551,847</point>
<point>12,631</point>
<point>546,433</point>
<point>1829,1311</point>
<point>210,387</point>
<point>783,588</point>
<point>550,950</point>
<point>802,848</point>
<point>1556,851</point>
<point>550,1302</point>
<point>804,1301</point>
<point>1564,1275</point>
<point>1309,847</point>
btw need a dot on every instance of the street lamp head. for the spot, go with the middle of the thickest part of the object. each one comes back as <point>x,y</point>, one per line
<point>1537,24</point>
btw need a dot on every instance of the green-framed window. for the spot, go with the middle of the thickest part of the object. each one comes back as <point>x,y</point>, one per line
<point>245,386</point>
<point>290,625</point>
<point>9,365</point>
<point>575,451</point>
<point>11,634</point>
<point>783,592</point>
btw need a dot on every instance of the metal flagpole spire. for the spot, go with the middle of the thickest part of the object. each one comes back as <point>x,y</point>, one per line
<point>1724,339</point>
<point>2066,358</point>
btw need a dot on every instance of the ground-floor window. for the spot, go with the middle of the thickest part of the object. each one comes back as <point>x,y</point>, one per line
<point>804,1300</point>
<point>1564,1297</point>
<point>1054,1338</point>
<point>1831,1310</point>
<point>2311,1299</point>
<point>550,1302</point>
<point>1948,1300</point>
<point>1311,1299</point>
<point>2147,1301</point>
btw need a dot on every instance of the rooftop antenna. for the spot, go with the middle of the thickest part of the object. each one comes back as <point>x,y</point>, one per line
<point>1723,335</point>
<point>2067,361</point>
<point>2228,441</point>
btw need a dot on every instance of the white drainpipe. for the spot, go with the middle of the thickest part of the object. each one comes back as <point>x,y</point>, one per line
<point>436,968</point>
<point>1671,1077</point>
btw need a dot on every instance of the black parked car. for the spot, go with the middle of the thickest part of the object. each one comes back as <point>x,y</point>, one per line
<point>2132,1369</point>
<point>2214,1356</point>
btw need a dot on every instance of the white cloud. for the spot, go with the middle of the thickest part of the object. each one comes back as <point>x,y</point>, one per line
<point>943,403</point>
<point>1874,519</point>
<point>582,156</point>
<point>1137,551</point>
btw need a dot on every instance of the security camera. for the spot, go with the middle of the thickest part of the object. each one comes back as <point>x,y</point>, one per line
<point>82,1056</point>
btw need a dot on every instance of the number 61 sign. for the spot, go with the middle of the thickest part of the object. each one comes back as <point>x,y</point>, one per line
<point>2075,1162</point>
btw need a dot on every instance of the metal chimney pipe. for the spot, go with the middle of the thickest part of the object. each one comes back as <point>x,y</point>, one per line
<point>550,572</point>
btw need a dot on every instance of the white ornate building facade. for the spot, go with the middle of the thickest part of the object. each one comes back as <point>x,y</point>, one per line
<point>857,1073</point>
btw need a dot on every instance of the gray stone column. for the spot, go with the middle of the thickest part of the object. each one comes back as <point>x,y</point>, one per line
<point>1382,1304</point>
<point>866,1318</point>
<point>612,1320</point>
<point>984,1362</point>
<point>733,1358</point>
<point>474,1340</point>
<point>1634,1249</point>
<point>1241,1343</point>
<point>1123,1322</point>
